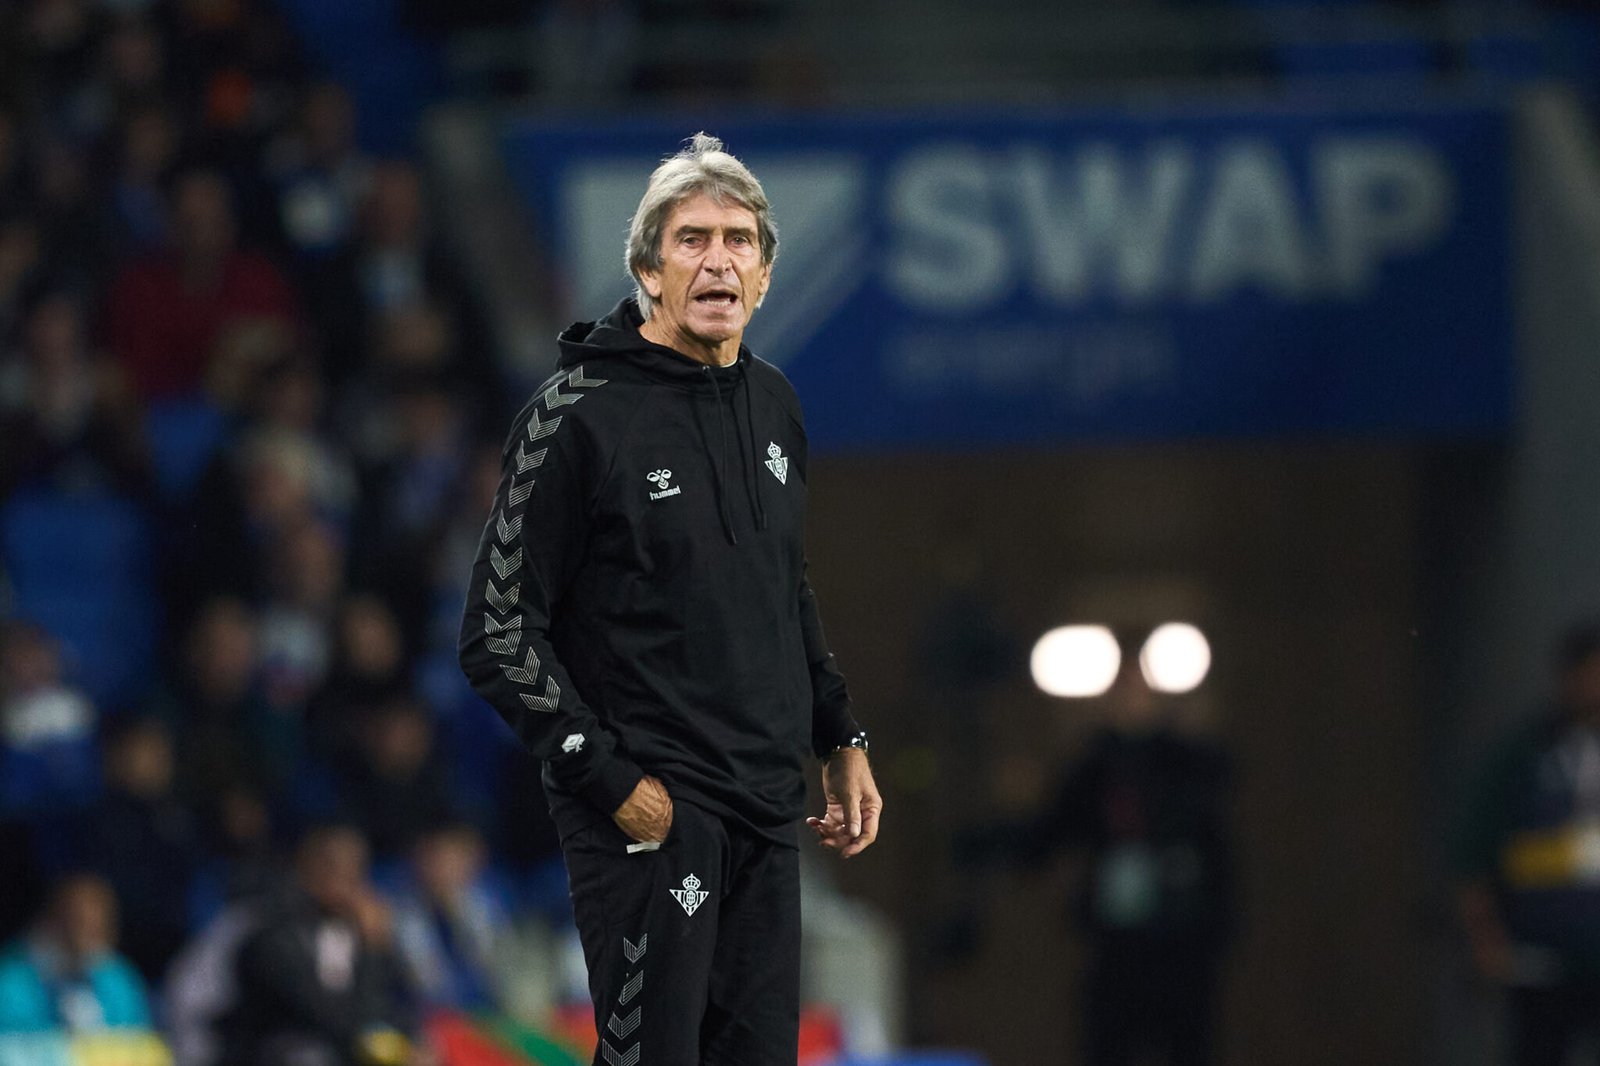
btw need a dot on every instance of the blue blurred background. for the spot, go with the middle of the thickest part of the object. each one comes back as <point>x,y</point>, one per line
<point>1276,318</point>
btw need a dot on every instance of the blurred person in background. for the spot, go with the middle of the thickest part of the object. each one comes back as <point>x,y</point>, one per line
<point>167,310</point>
<point>48,751</point>
<point>66,417</point>
<point>258,491</point>
<point>65,976</point>
<point>408,502</point>
<point>67,205</point>
<point>393,785</point>
<point>143,840</point>
<point>369,669</point>
<point>20,262</point>
<point>146,149</point>
<point>320,174</point>
<point>1147,807</point>
<point>639,614</point>
<point>315,979</point>
<point>449,928</point>
<point>395,262</point>
<point>305,583</point>
<point>1528,858</point>
<point>226,731</point>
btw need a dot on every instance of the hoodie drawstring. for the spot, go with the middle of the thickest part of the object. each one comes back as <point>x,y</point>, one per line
<point>750,429</point>
<point>722,461</point>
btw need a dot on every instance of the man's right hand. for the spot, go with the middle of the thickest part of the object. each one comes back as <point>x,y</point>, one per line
<point>646,815</point>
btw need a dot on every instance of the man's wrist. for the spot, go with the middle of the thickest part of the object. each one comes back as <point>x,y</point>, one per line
<point>856,742</point>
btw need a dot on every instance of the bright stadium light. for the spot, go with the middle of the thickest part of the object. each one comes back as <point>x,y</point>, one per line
<point>1175,658</point>
<point>1076,661</point>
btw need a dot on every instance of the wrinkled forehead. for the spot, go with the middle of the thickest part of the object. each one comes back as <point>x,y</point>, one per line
<point>701,210</point>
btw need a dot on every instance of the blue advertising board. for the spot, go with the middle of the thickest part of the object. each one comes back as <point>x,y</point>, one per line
<point>954,278</point>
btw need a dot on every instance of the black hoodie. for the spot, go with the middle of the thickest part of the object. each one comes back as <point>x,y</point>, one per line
<point>640,603</point>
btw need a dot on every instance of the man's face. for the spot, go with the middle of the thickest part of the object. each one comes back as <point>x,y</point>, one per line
<point>710,279</point>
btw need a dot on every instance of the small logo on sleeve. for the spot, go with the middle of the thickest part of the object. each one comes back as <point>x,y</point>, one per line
<point>778,463</point>
<point>689,897</point>
<point>660,479</point>
<point>573,743</point>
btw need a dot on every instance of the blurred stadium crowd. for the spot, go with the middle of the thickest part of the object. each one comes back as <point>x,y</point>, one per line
<point>250,430</point>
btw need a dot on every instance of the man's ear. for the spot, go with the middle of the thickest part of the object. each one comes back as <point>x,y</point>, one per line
<point>650,281</point>
<point>766,279</point>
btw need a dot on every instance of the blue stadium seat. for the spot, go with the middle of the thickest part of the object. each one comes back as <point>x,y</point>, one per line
<point>82,567</point>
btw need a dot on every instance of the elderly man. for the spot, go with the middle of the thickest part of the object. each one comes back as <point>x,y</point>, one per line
<point>640,615</point>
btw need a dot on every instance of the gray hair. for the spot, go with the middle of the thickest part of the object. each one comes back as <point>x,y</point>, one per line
<point>702,167</point>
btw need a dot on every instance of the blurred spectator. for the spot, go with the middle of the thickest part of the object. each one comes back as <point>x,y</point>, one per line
<point>66,418</point>
<point>168,310</point>
<point>305,580</point>
<point>66,204</point>
<point>144,842</point>
<point>395,785</point>
<point>320,173</point>
<point>47,728</point>
<point>448,926</point>
<point>409,499</point>
<point>1147,807</point>
<point>66,975</point>
<point>394,263</point>
<point>239,858</point>
<point>1529,860</point>
<point>314,980</point>
<point>369,669</point>
<point>146,149</point>
<point>229,735</point>
<point>19,262</point>
<point>259,490</point>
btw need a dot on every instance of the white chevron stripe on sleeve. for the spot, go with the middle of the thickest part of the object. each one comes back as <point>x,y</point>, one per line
<point>503,565</point>
<point>633,951</point>
<point>517,495</point>
<point>508,531</point>
<point>527,673</point>
<point>615,1059</point>
<point>503,601</point>
<point>631,989</point>
<point>527,461</point>
<point>546,703</point>
<point>623,1026</point>
<point>504,645</point>
<point>578,381</point>
<point>553,397</point>
<point>538,429</point>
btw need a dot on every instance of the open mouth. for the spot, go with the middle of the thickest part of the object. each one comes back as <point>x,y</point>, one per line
<point>717,298</point>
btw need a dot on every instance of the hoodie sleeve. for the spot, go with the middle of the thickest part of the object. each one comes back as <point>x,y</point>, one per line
<point>832,723</point>
<point>526,559</point>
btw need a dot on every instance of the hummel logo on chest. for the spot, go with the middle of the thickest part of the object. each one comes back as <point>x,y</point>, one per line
<point>660,478</point>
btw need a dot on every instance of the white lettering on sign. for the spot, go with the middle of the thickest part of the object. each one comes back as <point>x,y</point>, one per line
<point>1169,222</point>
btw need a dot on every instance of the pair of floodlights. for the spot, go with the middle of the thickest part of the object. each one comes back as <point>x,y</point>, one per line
<point>1082,661</point>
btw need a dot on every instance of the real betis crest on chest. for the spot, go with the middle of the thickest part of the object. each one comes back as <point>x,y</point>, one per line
<point>778,463</point>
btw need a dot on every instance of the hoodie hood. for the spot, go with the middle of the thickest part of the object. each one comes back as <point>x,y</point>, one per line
<point>616,337</point>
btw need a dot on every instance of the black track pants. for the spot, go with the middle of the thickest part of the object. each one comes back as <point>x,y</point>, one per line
<point>693,949</point>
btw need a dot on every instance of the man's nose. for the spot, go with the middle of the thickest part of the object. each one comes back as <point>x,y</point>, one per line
<point>717,258</point>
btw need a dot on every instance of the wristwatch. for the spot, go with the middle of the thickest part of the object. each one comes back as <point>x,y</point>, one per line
<point>859,742</point>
